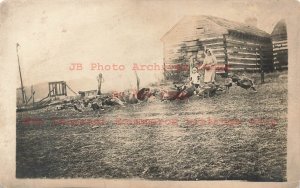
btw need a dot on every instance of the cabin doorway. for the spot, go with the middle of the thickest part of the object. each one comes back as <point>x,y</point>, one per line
<point>196,58</point>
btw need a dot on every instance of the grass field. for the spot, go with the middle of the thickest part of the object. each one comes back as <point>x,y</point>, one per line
<point>236,136</point>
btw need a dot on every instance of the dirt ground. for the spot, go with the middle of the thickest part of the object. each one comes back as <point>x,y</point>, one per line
<point>240,135</point>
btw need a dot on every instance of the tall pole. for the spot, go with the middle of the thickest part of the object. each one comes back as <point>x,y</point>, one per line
<point>137,81</point>
<point>32,94</point>
<point>22,87</point>
<point>100,79</point>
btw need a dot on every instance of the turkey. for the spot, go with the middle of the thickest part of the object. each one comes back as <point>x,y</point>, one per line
<point>170,94</point>
<point>186,92</point>
<point>77,108</point>
<point>95,106</point>
<point>209,90</point>
<point>228,83</point>
<point>121,96</point>
<point>111,101</point>
<point>234,78</point>
<point>117,101</point>
<point>144,94</point>
<point>132,98</point>
<point>244,82</point>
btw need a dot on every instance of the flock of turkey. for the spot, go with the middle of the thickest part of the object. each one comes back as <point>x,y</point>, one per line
<point>176,92</point>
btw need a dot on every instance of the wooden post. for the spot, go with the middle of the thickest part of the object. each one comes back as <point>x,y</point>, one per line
<point>262,71</point>
<point>49,87</point>
<point>65,89</point>
<point>31,91</point>
<point>137,81</point>
<point>100,79</point>
<point>226,55</point>
<point>59,88</point>
<point>55,86</point>
<point>165,77</point>
<point>32,94</point>
<point>22,86</point>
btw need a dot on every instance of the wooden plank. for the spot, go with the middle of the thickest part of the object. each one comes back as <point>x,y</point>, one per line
<point>243,55</point>
<point>219,56</point>
<point>284,51</point>
<point>279,42</point>
<point>242,63</point>
<point>242,58</point>
<point>253,44</point>
<point>240,50</point>
<point>278,49</point>
<point>279,45</point>
<point>280,52</point>
<point>220,61</point>
<point>217,50</point>
<point>276,63</point>
<point>244,69</point>
<point>245,47</point>
<point>230,65</point>
<point>235,69</point>
<point>280,62</point>
<point>214,43</point>
<point>193,47</point>
<point>210,39</point>
<point>244,43</point>
<point>249,41</point>
<point>214,46</point>
<point>191,43</point>
<point>249,47</point>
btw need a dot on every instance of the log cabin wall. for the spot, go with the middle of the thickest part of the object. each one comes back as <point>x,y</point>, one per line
<point>189,36</point>
<point>280,46</point>
<point>248,52</point>
<point>236,46</point>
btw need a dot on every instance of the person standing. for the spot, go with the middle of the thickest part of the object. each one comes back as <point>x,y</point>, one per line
<point>209,64</point>
<point>192,62</point>
<point>195,78</point>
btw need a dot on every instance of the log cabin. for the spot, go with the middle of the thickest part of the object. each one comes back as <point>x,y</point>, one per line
<point>237,46</point>
<point>280,47</point>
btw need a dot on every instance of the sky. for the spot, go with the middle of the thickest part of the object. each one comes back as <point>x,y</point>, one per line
<point>54,34</point>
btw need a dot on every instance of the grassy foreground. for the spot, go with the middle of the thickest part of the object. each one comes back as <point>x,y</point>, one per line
<point>236,136</point>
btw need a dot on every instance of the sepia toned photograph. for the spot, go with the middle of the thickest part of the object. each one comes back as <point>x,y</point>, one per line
<point>150,90</point>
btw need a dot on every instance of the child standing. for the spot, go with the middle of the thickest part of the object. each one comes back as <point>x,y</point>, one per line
<point>195,77</point>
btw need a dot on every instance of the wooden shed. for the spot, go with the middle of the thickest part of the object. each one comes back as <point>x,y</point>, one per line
<point>280,47</point>
<point>237,46</point>
<point>87,94</point>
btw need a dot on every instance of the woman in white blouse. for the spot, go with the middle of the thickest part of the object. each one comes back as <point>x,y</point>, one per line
<point>209,64</point>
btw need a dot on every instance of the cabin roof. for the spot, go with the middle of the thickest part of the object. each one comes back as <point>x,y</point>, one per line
<point>279,29</point>
<point>226,24</point>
